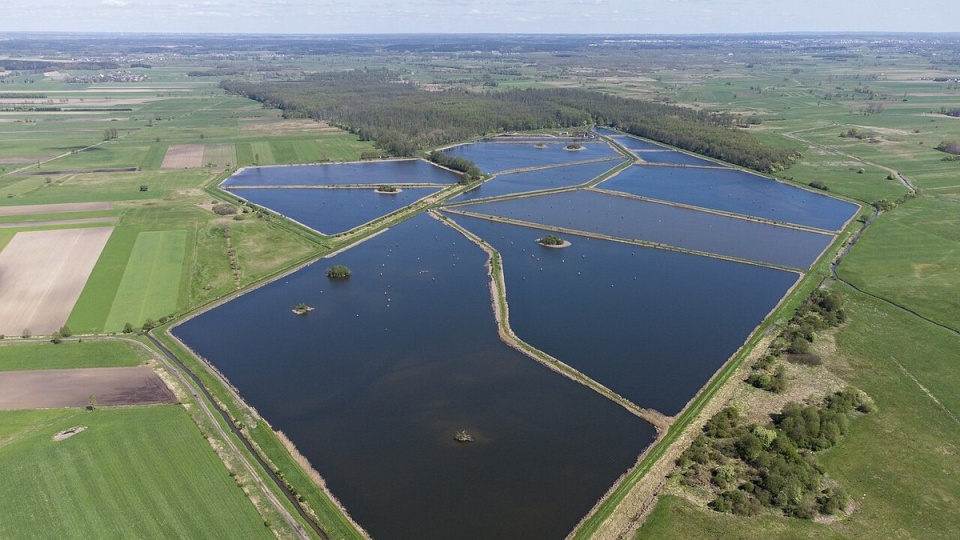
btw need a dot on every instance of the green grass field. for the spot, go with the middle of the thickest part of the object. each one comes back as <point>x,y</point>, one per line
<point>136,472</point>
<point>150,284</point>
<point>912,256</point>
<point>69,354</point>
<point>92,308</point>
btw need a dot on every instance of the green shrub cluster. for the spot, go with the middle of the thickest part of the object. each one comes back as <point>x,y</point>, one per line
<point>749,467</point>
<point>225,209</point>
<point>822,310</point>
<point>769,374</point>
<point>471,172</point>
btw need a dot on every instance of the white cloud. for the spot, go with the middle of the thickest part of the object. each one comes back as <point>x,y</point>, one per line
<point>113,3</point>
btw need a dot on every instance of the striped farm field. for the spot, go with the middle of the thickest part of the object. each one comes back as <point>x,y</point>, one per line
<point>90,312</point>
<point>135,472</point>
<point>220,155</point>
<point>150,284</point>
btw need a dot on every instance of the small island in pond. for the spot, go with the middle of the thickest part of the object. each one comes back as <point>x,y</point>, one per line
<point>388,190</point>
<point>574,146</point>
<point>553,241</point>
<point>463,436</point>
<point>338,271</point>
<point>302,309</point>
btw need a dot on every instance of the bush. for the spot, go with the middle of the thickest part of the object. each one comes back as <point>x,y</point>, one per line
<point>817,184</point>
<point>225,209</point>
<point>338,271</point>
<point>65,331</point>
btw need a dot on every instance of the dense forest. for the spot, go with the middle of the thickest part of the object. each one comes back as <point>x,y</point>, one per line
<point>404,119</point>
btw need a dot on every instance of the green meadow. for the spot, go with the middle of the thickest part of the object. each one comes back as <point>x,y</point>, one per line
<point>69,354</point>
<point>135,472</point>
<point>149,287</point>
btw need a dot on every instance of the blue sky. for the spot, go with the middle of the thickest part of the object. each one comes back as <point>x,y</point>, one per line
<point>459,16</point>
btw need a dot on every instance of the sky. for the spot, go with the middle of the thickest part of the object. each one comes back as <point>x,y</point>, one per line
<point>480,16</point>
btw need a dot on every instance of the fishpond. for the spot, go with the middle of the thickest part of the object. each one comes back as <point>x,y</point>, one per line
<point>396,385</point>
<point>373,385</point>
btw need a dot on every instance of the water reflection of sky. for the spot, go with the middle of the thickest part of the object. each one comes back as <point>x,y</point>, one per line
<point>611,215</point>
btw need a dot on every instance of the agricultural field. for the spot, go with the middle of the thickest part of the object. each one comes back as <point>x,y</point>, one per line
<point>134,472</point>
<point>69,354</point>
<point>44,272</point>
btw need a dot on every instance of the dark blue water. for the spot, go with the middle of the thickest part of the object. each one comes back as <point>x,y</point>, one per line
<point>494,158</point>
<point>649,324</point>
<point>732,190</point>
<point>591,211</point>
<point>627,141</point>
<point>373,385</point>
<point>666,156</point>
<point>652,152</point>
<point>332,211</point>
<point>509,184</point>
<point>533,139</point>
<point>410,171</point>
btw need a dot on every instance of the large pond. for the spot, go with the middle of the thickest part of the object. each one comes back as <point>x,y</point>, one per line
<point>736,191</point>
<point>650,324</point>
<point>373,384</point>
<point>332,211</point>
<point>498,157</point>
<point>552,178</point>
<point>611,215</point>
<point>406,171</point>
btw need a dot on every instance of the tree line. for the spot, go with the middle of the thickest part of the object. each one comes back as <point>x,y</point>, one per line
<point>403,119</point>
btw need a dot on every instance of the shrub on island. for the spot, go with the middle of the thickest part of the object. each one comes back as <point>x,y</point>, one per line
<point>338,271</point>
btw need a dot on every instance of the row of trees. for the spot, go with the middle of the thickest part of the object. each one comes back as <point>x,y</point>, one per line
<point>471,173</point>
<point>378,105</point>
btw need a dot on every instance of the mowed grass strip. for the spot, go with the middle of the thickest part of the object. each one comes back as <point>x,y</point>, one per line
<point>90,312</point>
<point>136,472</point>
<point>151,281</point>
<point>69,354</point>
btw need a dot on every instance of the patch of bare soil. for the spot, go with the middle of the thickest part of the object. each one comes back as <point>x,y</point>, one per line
<point>56,222</point>
<point>273,127</point>
<point>52,388</point>
<point>14,160</point>
<point>42,274</point>
<point>28,209</point>
<point>183,156</point>
<point>67,433</point>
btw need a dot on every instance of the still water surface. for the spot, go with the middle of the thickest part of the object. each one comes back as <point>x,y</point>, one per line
<point>332,211</point>
<point>373,384</point>
<point>498,157</point>
<point>593,211</point>
<point>651,325</point>
<point>557,177</point>
<point>731,190</point>
<point>408,171</point>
